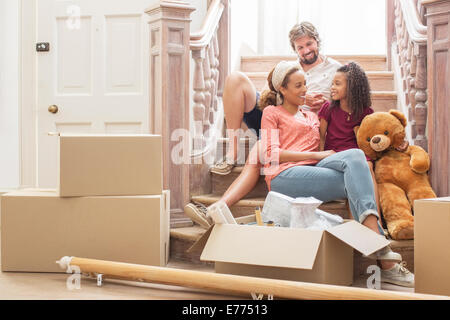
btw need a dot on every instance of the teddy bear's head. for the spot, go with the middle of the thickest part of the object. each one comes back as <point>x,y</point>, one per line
<point>381,131</point>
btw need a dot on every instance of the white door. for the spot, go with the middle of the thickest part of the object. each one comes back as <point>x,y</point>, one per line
<point>95,72</point>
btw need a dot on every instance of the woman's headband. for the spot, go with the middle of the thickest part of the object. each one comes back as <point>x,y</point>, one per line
<point>280,72</point>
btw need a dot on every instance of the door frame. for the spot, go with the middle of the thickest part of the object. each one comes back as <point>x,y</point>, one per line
<point>27,94</point>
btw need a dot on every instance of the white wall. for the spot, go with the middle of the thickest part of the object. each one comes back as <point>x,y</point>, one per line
<point>244,30</point>
<point>198,16</point>
<point>345,26</point>
<point>9,94</point>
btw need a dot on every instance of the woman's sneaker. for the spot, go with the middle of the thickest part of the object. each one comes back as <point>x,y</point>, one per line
<point>223,167</point>
<point>398,275</point>
<point>386,254</point>
<point>198,213</point>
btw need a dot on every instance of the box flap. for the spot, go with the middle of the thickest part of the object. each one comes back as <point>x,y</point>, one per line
<point>359,237</point>
<point>444,199</point>
<point>200,243</point>
<point>76,135</point>
<point>265,246</point>
<point>36,192</point>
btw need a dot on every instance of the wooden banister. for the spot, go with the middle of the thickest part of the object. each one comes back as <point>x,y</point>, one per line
<point>416,30</point>
<point>187,121</point>
<point>411,48</point>
<point>211,53</point>
<point>211,21</point>
<point>422,46</point>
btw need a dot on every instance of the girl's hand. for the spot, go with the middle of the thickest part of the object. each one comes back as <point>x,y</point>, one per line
<point>324,154</point>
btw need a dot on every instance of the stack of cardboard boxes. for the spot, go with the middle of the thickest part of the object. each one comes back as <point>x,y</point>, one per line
<point>109,205</point>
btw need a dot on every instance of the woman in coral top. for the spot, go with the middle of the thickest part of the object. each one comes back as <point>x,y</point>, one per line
<point>294,166</point>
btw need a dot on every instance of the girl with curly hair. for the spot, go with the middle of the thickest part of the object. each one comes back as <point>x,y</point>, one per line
<point>350,103</point>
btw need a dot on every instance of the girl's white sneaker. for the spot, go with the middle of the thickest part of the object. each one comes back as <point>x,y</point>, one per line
<point>398,275</point>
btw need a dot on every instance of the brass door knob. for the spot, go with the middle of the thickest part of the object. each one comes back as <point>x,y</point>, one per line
<point>53,108</point>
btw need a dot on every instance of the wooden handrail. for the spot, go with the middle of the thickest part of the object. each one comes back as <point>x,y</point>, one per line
<point>416,30</point>
<point>203,36</point>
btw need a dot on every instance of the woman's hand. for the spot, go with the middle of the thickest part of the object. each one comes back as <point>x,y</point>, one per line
<point>324,154</point>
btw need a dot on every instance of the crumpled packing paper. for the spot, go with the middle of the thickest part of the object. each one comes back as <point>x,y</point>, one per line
<point>289,212</point>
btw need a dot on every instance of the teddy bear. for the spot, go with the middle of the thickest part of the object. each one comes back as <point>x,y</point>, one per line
<point>400,169</point>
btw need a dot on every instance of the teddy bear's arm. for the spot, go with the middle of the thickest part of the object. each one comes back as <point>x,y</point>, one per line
<point>420,161</point>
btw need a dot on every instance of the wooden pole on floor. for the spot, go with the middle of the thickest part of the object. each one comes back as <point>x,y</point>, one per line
<point>234,284</point>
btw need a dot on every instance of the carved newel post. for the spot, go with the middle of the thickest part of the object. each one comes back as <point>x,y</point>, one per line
<point>169,95</point>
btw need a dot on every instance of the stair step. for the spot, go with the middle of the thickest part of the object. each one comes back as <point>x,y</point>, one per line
<point>266,63</point>
<point>247,206</point>
<point>379,80</point>
<point>384,100</point>
<point>182,239</point>
<point>242,208</point>
<point>221,183</point>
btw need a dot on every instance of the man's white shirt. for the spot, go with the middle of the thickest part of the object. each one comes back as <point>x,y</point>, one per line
<point>320,77</point>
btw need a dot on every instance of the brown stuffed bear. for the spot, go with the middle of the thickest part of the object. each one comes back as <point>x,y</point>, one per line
<point>400,169</point>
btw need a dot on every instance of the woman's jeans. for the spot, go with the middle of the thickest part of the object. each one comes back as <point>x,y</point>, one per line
<point>342,175</point>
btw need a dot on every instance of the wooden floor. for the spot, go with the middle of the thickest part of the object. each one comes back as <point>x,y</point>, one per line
<point>53,286</point>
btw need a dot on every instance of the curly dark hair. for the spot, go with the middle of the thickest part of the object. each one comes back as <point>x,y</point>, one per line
<point>269,97</point>
<point>358,89</point>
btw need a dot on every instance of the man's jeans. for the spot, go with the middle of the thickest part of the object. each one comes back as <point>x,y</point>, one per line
<point>341,175</point>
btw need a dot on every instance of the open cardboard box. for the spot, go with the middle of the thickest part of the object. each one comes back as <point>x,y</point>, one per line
<point>288,253</point>
<point>109,165</point>
<point>38,228</point>
<point>432,246</point>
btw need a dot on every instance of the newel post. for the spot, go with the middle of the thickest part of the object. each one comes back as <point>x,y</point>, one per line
<point>169,24</point>
<point>438,60</point>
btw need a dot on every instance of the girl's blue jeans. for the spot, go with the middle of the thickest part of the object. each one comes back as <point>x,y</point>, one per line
<point>342,175</point>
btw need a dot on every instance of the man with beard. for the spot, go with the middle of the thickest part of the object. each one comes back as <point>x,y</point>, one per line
<point>240,98</point>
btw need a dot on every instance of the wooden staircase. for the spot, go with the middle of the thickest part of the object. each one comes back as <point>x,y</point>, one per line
<point>257,69</point>
<point>381,80</point>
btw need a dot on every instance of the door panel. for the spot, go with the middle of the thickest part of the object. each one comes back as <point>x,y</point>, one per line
<point>96,72</point>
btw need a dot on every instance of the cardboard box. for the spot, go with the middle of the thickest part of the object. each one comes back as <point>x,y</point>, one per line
<point>109,165</point>
<point>432,246</point>
<point>288,253</point>
<point>38,228</point>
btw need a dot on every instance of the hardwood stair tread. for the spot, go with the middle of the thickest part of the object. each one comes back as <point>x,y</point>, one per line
<point>368,57</point>
<point>371,73</point>
<point>258,62</point>
<point>190,234</point>
<point>211,198</point>
<point>247,205</point>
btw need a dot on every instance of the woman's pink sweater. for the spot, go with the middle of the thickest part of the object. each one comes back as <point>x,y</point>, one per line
<point>280,130</point>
